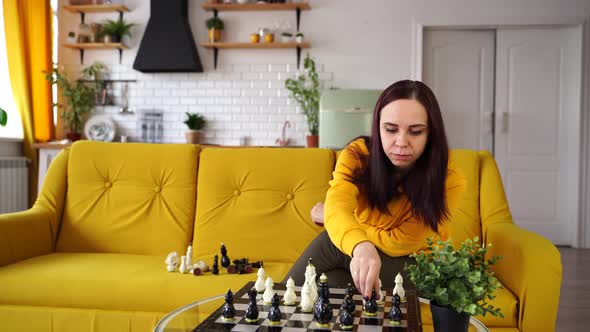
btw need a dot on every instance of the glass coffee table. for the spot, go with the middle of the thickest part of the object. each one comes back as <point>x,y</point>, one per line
<point>186,318</point>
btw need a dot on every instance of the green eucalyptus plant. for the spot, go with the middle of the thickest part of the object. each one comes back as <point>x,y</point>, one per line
<point>3,117</point>
<point>116,29</point>
<point>458,279</point>
<point>79,95</point>
<point>305,89</point>
<point>195,121</point>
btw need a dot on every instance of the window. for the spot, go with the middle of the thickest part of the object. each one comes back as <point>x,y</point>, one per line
<point>14,127</point>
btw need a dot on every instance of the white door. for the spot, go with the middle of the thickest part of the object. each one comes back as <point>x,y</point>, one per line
<point>458,65</point>
<point>538,127</point>
<point>534,131</point>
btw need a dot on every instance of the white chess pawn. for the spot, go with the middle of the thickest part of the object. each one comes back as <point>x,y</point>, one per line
<point>189,256</point>
<point>183,268</point>
<point>259,285</point>
<point>201,265</point>
<point>268,292</point>
<point>306,303</point>
<point>171,261</point>
<point>399,288</point>
<point>290,297</point>
<point>381,294</point>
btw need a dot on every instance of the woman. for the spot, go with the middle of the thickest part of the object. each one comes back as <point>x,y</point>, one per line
<point>388,194</point>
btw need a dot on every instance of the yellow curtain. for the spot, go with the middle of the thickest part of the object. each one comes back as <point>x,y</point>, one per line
<point>27,24</point>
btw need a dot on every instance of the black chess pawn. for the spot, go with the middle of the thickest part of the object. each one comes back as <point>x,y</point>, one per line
<point>348,304</point>
<point>215,268</point>
<point>349,290</point>
<point>395,299</point>
<point>252,309</point>
<point>371,304</point>
<point>346,318</point>
<point>224,259</point>
<point>274,314</point>
<point>395,314</point>
<point>228,311</point>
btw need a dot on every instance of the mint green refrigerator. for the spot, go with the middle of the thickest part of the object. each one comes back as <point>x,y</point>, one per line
<point>344,115</point>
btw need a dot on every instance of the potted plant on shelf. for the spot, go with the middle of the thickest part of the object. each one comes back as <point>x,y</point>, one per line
<point>286,37</point>
<point>113,31</point>
<point>458,283</point>
<point>95,73</point>
<point>80,98</point>
<point>214,26</point>
<point>72,37</point>
<point>305,89</point>
<point>195,123</point>
<point>299,37</point>
<point>3,117</point>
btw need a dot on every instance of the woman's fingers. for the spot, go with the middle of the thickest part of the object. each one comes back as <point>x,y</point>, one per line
<point>371,279</point>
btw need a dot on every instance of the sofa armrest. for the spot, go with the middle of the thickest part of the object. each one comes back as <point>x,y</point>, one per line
<point>24,235</point>
<point>531,268</point>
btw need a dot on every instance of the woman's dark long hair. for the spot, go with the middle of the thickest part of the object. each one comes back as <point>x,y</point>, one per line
<point>424,184</point>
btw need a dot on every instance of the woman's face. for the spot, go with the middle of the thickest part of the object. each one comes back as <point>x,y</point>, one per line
<point>404,131</point>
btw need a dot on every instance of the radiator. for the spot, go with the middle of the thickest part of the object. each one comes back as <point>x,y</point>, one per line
<point>14,184</point>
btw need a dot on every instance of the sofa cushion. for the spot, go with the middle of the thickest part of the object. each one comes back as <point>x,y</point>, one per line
<point>466,221</point>
<point>129,198</point>
<point>258,201</point>
<point>114,282</point>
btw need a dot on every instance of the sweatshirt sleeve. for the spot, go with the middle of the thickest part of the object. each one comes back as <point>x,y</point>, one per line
<point>341,202</point>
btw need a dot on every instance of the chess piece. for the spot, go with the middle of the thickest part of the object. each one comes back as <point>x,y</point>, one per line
<point>259,285</point>
<point>201,265</point>
<point>399,288</point>
<point>349,304</point>
<point>183,268</point>
<point>381,300</point>
<point>322,310</point>
<point>371,305</point>
<point>290,297</point>
<point>215,265</point>
<point>306,303</point>
<point>228,311</point>
<point>395,314</point>
<point>346,317</point>
<point>310,276</point>
<point>224,259</point>
<point>274,314</point>
<point>396,300</point>
<point>252,309</point>
<point>268,292</point>
<point>189,256</point>
<point>171,261</point>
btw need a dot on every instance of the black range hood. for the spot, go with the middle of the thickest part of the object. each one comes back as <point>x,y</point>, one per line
<point>168,44</point>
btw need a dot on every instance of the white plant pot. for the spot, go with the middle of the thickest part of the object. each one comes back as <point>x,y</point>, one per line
<point>299,39</point>
<point>286,39</point>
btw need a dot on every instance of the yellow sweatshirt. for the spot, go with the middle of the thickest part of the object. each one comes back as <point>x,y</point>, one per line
<point>349,220</point>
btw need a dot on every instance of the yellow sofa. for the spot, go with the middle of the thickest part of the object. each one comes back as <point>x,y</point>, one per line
<point>89,255</point>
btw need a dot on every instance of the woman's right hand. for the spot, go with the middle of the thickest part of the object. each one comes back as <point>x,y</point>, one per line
<point>365,267</point>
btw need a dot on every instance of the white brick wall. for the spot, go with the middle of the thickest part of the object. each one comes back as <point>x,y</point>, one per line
<point>241,102</point>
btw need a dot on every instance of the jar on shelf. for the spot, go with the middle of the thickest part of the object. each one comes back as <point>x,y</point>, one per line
<point>84,33</point>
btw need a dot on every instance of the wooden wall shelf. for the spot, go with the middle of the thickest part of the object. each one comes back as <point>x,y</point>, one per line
<point>255,6</point>
<point>97,46</point>
<point>275,45</point>
<point>83,9</point>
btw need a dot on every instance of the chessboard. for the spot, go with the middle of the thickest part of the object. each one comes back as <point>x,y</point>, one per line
<point>294,320</point>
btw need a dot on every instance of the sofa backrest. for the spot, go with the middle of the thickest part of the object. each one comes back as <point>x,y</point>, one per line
<point>129,198</point>
<point>257,201</point>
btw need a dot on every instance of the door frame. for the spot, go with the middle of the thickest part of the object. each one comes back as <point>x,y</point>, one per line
<point>419,24</point>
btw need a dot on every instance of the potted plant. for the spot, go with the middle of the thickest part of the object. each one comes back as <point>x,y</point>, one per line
<point>305,89</point>
<point>71,37</point>
<point>113,31</point>
<point>286,37</point>
<point>95,73</point>
<point>195,123</point>
<point>214,26</point>
<point>299,37</point>
<point>458,283</point>
<point>3,117</point>
<point>80,98</point>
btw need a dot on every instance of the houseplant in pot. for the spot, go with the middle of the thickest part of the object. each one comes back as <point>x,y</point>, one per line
<point>195,123</point>
<point>305,89</point>
<point>458,283</point>
<point>80,97</point>
<point>3,117</point>
<point>113,31</point>
<point>214,27</point>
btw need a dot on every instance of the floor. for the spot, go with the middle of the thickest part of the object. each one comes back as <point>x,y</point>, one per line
<point>574,303</point>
